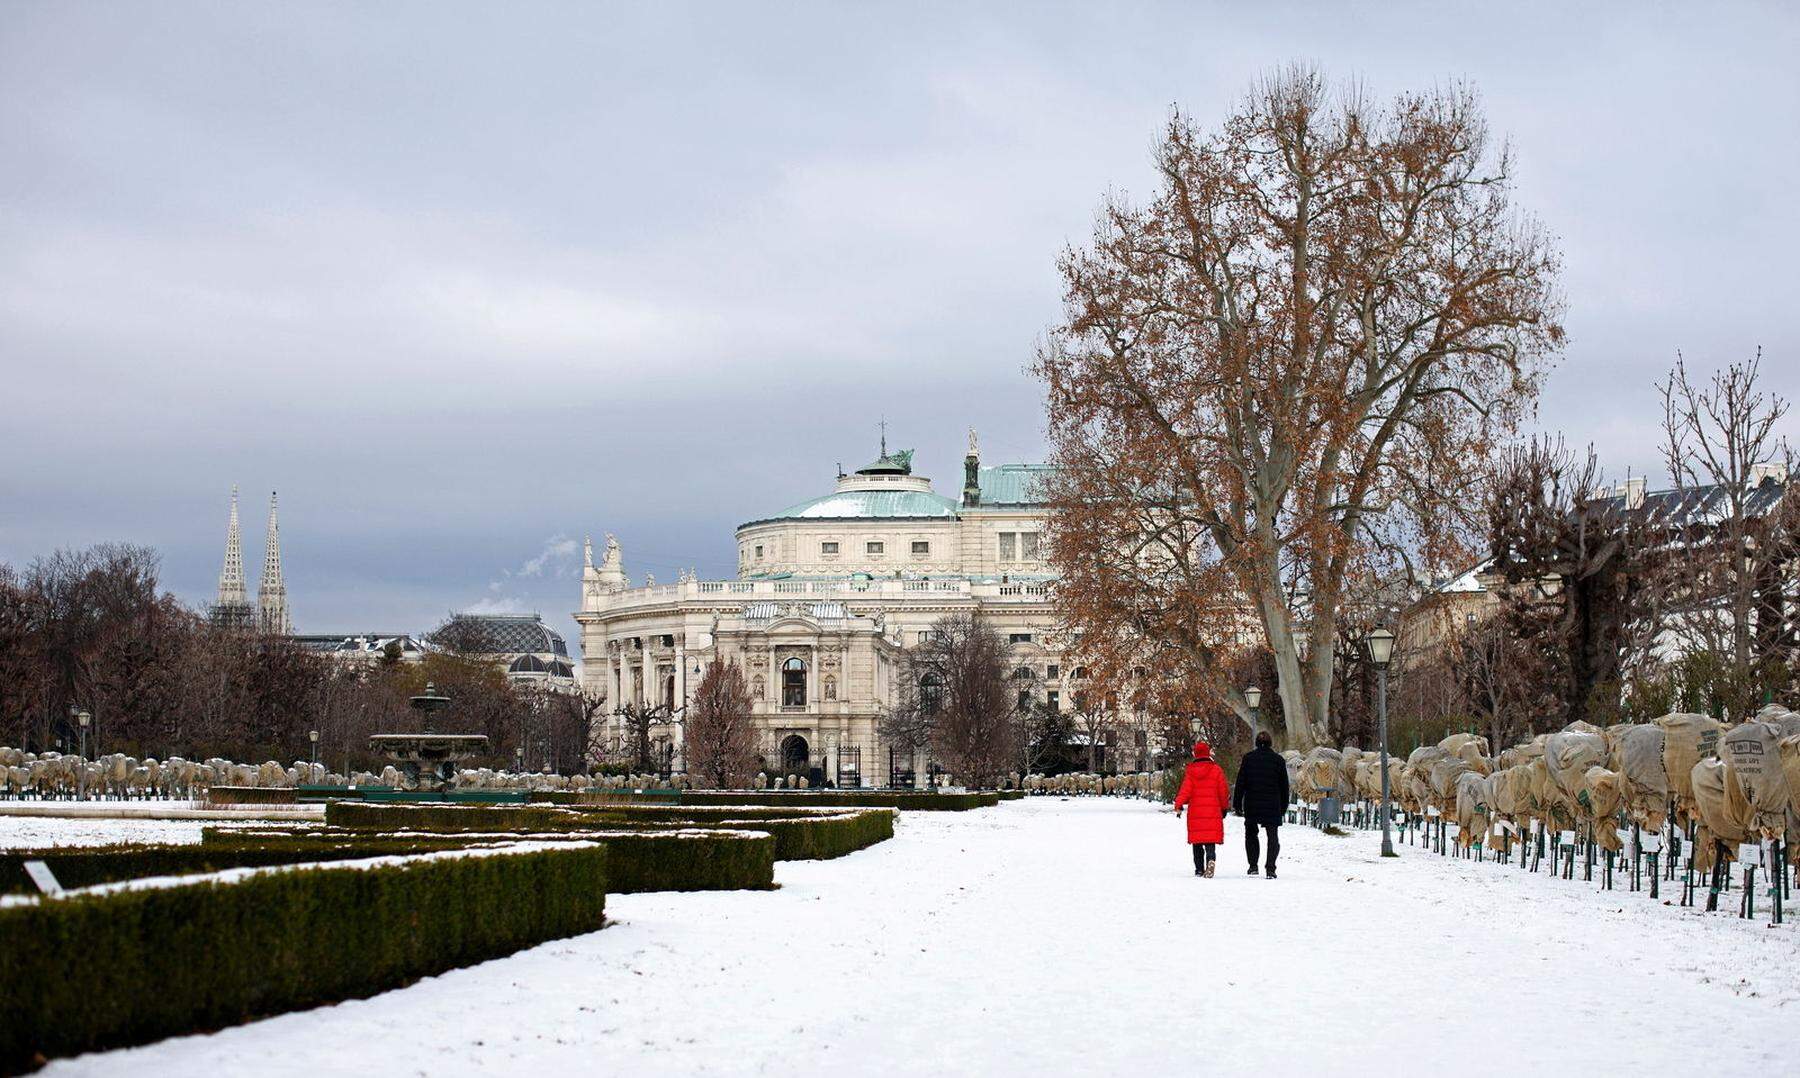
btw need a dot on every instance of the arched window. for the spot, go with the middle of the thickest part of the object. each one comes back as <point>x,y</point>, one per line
<point>793,683</point>
<point>931,692</point>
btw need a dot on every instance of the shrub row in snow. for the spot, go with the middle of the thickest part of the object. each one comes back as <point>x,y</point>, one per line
<point>88,866</point>
<point>124,967</point>
<point>1087,784</point>
<point>1730,784</point>
<point>902,800</point>
<point>799,834</point>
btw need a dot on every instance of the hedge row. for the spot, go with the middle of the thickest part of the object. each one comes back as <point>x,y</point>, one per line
<point>660,860</point>
<point>98,971</point>
<point>924,802</point>
<point>364,816</point>
<point>252,795</point>
<point>799,834</point>
<point>86,866</point>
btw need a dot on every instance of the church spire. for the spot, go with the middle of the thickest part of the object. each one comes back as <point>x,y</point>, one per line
<point>233,605</point>
<point>231,579</point>
<point>271,595</point>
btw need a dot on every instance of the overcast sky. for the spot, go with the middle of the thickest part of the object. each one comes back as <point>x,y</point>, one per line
<point>466,282</point>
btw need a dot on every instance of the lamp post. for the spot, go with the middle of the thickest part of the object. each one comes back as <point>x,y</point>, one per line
<point>313,736</point>
<point>1380,643</point>
<point>1253,700</point>
<point>82,718</point>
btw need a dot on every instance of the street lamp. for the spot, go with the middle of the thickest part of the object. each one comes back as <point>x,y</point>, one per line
<point>313,736</point>
<point>1380,642</point>
<point>1253,700</point>
<point>82,719</point>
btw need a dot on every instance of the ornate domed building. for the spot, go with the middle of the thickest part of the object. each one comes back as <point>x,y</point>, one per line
<point>830,593</point>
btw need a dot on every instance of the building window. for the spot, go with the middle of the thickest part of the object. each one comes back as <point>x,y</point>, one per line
<point>1028,546</point>
<point>1020,638</point>
<point>1053,700</point>
<point>1053,672</point>
<point>829,548</point>
<point>931,693</point>
<point>921,548</point>
<point>876,547</point>
<point>1008,546</point>
<point>759,551</point>
<point>793,683</point>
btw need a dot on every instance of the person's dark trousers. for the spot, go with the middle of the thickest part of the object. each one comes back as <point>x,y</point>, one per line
<point>1203,852</point>
<point>1254,849</point>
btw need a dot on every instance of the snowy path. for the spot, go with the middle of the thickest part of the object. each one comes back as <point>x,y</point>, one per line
<point>1052,937</point>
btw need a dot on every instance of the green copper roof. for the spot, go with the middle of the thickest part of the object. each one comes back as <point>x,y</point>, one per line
<point>871,504</point>
<point>1013,484</point>
<point>899,462</point>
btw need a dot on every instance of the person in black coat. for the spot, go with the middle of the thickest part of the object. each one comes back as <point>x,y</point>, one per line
<point>1261,798</point>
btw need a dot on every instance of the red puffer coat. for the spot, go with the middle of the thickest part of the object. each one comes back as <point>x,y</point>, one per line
<point>1205,795</point>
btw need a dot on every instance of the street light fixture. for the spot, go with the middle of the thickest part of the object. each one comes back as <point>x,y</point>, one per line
<point>1380,642</point>
<point>1253,700</point>
<point>313,736</point>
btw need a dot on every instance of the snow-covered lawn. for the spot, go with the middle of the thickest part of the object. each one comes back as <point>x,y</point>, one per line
<point>31,832</point>
<point>1048,937</point>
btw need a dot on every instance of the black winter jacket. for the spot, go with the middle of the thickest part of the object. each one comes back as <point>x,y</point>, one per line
<point>1261,795</point>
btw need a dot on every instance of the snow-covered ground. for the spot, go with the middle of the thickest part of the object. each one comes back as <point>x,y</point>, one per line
<point>32,832</point>
<point>1049,937</point>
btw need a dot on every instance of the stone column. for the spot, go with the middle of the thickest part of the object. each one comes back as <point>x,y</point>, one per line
<point>920,778</point>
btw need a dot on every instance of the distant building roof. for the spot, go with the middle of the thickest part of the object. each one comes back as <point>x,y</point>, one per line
<point>870,504</point>
<point>355,643</point>
<point>502,634</point>
<point>1705,504</point>
<point>1013,484</point>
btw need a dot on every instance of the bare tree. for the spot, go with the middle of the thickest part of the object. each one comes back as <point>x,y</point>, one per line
<point>1735,529</point>
<point>1286,369</point>
<point>1567,549</point>
<point>954,696</point>
<point>720,734</point>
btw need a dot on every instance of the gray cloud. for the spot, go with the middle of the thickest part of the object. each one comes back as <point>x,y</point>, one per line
<point>456,277</point>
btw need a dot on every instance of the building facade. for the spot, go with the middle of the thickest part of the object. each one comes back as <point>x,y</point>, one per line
<point>829,596</point>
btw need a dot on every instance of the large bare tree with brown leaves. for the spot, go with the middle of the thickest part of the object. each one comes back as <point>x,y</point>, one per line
<point>1278,374</point>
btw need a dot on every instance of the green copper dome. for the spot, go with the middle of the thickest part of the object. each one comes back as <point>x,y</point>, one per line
<point>869,505</point>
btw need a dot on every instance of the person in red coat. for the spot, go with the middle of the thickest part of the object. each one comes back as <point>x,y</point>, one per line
<point>1205,795</point>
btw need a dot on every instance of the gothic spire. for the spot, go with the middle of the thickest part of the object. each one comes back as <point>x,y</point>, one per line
<point>231,579</point>
<point>271,595</point>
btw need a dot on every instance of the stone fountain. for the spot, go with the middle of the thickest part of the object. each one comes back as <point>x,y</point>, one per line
<point>429,757</point>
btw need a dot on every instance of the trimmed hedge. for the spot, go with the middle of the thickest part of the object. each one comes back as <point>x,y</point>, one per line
<point>364,816</point>
<point>656,860</point>
<point>252,795</point>
<point>799,834</point>
<point>86,866</point>
<point>925,802</point>
<point>1011,795</point>
<point>96,971</point>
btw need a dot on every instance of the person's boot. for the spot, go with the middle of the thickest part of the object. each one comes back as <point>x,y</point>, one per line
<point>1252,871</point>
<point>1270,872</point>
<point>1209,869</point>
